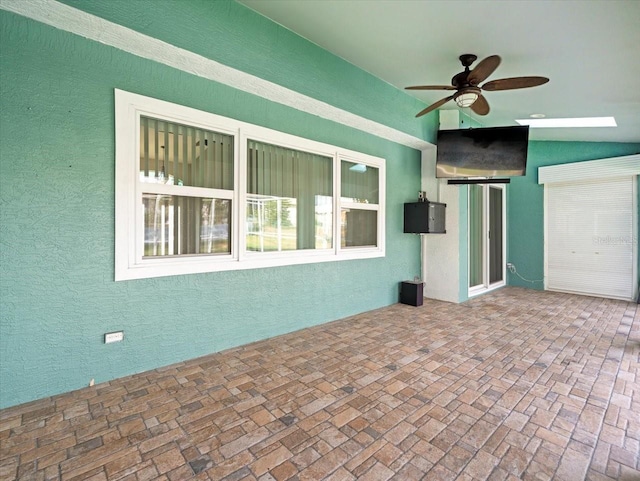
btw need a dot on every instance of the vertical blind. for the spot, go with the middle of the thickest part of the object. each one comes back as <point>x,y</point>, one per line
<point>179,225</point>
<point>359,183</point>
<point>289,199</point>
<point>283,172</point>
<point>175,154</point>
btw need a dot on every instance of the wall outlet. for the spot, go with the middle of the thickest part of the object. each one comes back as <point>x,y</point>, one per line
<point>113,337</point>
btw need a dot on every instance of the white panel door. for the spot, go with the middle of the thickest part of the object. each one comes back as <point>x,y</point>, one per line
<point>590,237</point>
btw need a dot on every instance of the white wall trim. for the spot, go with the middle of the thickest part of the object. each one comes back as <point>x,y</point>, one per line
<point>590,170</point>
<point>69,19</point>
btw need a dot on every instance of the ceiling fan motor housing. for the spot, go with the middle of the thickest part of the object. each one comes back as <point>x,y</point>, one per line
<point>460,80</point>
<point>467,59</point>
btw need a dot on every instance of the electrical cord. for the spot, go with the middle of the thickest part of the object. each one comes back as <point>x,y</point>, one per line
<point>513,270</point>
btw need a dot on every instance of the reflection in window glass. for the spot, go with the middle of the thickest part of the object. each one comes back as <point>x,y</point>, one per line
<point>175,225</point>
<point>175,154</point>
<point>359,228</point>
<point>359,183</point>
<point>269,223</point>
<point>289,199</point>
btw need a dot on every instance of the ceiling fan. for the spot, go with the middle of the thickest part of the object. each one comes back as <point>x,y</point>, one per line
<point>469,92</point>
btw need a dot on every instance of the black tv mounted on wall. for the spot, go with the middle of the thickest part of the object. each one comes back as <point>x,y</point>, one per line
<point>490,152</point>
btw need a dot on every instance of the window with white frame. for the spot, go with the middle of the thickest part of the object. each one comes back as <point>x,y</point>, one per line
<point>197,192</point>
<point>186,184</point>
<point>360,187</point>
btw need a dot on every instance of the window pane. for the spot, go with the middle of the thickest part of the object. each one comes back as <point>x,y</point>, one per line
<point>476,245</point>
<point>495,240</point>
<point>359,228</point>
<point>176,225</point>
<point>289,199</point>
<point>359,183</point>
<point>269,224</point>
<point>177,154</point>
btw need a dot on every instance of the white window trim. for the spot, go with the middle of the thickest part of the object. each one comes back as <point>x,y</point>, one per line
<point>129,263</point>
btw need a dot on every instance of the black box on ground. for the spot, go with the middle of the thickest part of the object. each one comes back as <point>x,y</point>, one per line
<point>411,293</point>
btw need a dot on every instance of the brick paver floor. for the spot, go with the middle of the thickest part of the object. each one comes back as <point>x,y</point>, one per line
<point>516,384</point>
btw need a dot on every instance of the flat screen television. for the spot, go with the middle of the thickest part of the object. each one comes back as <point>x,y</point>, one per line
<point>482,152</point>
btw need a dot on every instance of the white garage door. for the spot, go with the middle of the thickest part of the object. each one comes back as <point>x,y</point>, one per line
<point>590,237</point>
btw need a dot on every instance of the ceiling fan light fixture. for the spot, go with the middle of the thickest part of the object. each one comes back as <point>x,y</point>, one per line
<point>466,99</point>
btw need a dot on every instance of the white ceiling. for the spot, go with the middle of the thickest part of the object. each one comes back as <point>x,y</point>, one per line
<point>589,50</point>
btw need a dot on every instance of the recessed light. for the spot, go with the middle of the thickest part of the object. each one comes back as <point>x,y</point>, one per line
<point>537,116</point>
<point>538,123</point>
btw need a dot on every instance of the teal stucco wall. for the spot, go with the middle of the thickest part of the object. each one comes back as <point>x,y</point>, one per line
<point>57,290</point>
<point>525,215</point>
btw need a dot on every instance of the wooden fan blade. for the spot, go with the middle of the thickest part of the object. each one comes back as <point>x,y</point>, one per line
<point>480,106</point>
<point>514,83</point>
<point>434,106</point>
<point>485,68</point>
<point>431,87</point>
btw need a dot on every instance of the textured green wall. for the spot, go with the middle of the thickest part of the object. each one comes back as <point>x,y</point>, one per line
<point>525,216</point>
<point>235,35</point>
<point>57,292</point>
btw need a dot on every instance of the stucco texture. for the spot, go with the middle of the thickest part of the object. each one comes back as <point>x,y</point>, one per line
<point>58,294</point>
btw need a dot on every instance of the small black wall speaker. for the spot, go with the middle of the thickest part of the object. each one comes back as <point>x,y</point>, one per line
<point>424,218</point>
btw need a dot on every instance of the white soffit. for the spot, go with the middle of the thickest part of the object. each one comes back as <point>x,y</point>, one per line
<point>592,169</point>
<point>72,20</point>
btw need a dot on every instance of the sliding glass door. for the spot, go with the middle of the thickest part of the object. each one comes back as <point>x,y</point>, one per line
<point>476,236</point>
<point>495,235</point>
<point>486,237</point>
